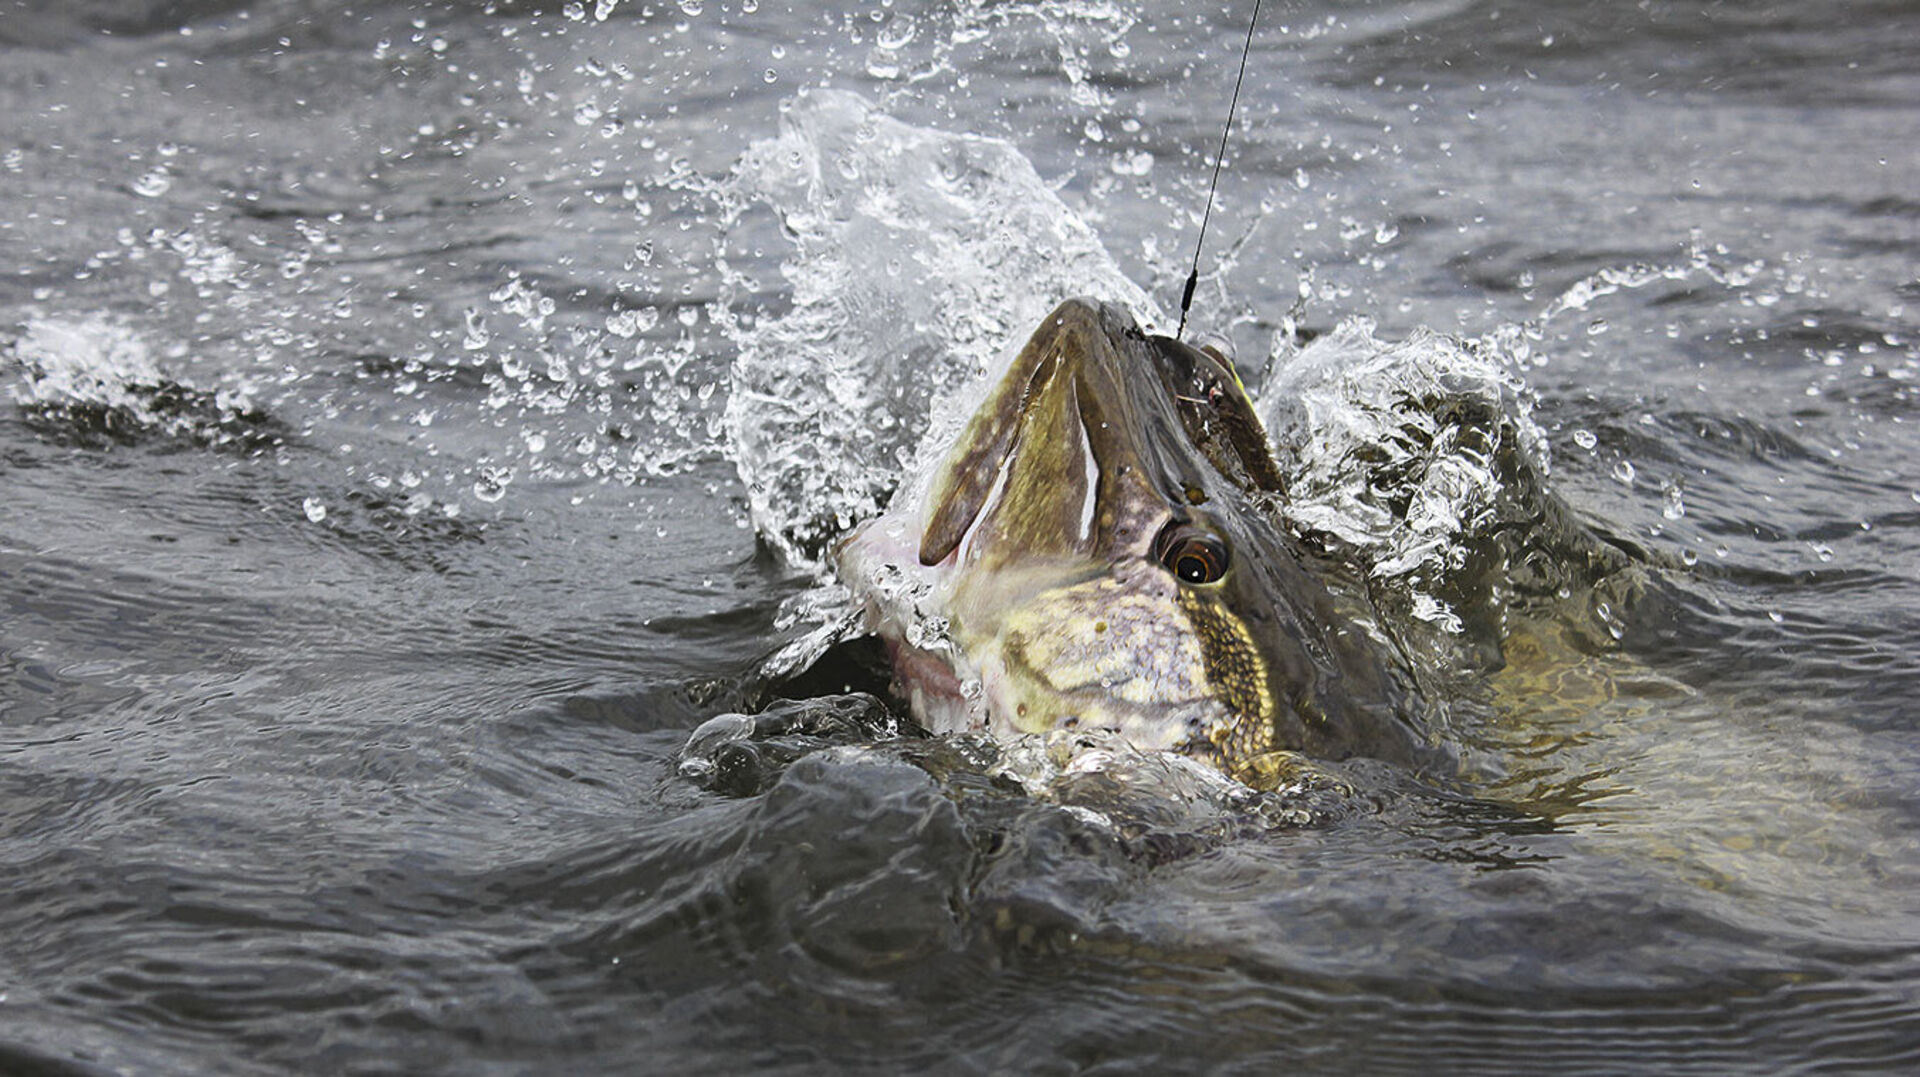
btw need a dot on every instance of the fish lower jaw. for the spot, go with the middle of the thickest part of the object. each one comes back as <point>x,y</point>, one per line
<point>935,690</point>
<point>943,712</point>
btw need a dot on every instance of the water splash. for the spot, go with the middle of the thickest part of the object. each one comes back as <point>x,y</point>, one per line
<point>1700,261</point>
<point>610,397</point>
<point>919,256</point>
<point>1405,453</point>
<point>1419,457</point>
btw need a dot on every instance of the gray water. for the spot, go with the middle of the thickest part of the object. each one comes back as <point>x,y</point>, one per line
<point>374,537</point>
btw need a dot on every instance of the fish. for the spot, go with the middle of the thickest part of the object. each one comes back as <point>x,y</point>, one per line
<point>1103,548</point>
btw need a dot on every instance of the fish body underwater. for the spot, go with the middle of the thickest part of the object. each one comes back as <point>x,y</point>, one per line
<point>1101,549</point>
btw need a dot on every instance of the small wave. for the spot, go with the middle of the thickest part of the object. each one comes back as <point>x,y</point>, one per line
<point>98,383</point>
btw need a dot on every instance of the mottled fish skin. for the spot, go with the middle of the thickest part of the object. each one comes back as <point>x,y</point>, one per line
<point>1102,546</point>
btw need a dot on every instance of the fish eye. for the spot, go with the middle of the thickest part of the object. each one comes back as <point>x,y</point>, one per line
<point>1193,555</point>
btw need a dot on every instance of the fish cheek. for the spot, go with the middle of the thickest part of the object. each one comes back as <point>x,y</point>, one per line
<point>1100,655</point>
<point>1043,653</point>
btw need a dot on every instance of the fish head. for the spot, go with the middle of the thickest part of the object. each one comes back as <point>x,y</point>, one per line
<point>1104,547</point>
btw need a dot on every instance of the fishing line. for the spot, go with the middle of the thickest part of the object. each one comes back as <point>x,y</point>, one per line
<point>1193,278</point>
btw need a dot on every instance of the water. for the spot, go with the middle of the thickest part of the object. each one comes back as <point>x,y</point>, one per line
<point>376,535</point>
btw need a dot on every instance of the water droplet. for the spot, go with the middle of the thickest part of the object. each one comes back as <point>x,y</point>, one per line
<point>1585,439</point>
<point>628,323</point>
<point>1623,472</point>
<point>1673,509</point>
<point>315,509</point>
<point>492,484</point>
<point>896,33</point>
<point>154,184</point>
<point>1615,626</point>
<point>477,335</point>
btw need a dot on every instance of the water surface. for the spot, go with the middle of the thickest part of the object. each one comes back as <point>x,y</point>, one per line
<point>375,533</point>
